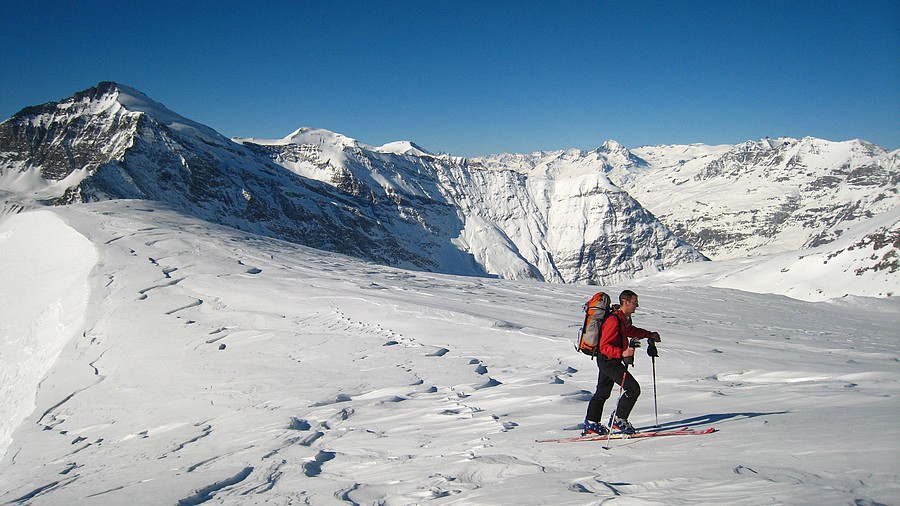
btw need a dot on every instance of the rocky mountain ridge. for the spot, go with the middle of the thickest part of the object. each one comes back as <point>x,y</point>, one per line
<point>767,196</point>
<point>561,216</point>
<point>397,205</point>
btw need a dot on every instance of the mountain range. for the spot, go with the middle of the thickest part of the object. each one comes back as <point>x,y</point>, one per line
<point>599,216</point>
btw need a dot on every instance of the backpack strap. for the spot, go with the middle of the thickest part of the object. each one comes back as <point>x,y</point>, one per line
<point>623,338</point>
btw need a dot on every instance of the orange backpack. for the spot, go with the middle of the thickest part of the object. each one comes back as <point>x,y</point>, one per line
<point>595,312</point>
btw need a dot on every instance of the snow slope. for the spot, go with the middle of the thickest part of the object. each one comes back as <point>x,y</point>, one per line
<point>863,262</point>
<point>212,365</point>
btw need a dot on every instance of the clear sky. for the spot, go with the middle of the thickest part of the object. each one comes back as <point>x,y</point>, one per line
<point>477,77</point>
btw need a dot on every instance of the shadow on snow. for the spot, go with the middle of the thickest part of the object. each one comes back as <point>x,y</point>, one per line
<point>711,419</point>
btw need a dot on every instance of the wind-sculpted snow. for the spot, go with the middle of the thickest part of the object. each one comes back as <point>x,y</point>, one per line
<point>216,366</point>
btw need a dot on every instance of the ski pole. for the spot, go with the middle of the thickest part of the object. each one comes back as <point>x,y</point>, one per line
<point>653,352</point>
<point>655,407</point>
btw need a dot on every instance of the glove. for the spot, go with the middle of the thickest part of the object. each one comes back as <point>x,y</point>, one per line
<point>635,343</point>
<point>651,349</point>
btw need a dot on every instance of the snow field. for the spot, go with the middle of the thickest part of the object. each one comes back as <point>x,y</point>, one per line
<point>215,366</point>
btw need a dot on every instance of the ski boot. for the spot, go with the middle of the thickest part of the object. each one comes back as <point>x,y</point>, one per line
<point>594,429</point>
<point>621,426</point>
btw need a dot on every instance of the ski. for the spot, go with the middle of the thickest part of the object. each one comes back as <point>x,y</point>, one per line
<point>596,437</point>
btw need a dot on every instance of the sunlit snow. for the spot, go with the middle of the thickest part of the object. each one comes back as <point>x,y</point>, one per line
<point>158,359</point>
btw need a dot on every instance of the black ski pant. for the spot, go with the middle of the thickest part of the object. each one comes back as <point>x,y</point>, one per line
<point>611,373</point>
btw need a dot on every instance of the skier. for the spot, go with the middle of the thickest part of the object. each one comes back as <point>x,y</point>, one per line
<point>616,354</point>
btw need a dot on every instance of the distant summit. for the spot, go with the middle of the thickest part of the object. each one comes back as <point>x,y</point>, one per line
<point>403,148</point>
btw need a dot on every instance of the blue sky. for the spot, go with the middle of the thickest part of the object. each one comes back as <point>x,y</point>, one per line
<point>477,77</point>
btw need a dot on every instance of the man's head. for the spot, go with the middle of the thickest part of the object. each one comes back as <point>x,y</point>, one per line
<point>628,301</point>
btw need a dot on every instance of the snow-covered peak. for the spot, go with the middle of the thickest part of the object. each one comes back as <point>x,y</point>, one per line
<point>619,155</point>
<point>665,155</point>
<point>320,144</point>
<point>611,146</point>
<point>563,164</point>
<point>814,146</point>
<point>807,152</point>
<point>115,98</point>
<point>403,148</point>
<point>770,143</point>
<point>135,101</point>
<point>307,136</point>
<point>767,196</point>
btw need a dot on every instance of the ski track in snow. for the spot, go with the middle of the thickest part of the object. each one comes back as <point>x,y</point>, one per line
<point>271,373</point>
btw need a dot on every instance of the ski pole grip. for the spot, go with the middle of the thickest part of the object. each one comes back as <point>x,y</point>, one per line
<point>651,349</point>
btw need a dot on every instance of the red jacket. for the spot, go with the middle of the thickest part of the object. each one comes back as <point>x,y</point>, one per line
<point>615,333</point>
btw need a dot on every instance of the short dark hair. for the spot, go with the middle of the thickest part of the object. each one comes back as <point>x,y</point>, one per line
<point>626,295</point>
